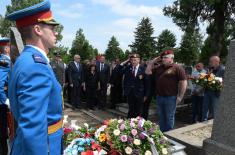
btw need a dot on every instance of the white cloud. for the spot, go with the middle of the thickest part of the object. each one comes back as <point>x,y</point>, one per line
<point>122,7</point>
<point>68,14</point>
<point>125,23</point>
<point>77,6</point>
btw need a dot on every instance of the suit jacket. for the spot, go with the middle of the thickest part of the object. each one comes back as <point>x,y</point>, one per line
<point>36,103</point>
<point>137,83</point>
<point>75,76</point>
<point>116,76</point>
<point>103,75</point>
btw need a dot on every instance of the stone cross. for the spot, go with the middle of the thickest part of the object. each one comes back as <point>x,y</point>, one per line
<point>222,141</point>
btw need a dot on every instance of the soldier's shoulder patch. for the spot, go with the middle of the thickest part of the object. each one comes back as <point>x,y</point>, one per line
<point>39,59</point>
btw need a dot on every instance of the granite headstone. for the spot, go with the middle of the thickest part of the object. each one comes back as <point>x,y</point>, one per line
<point>222,141</point>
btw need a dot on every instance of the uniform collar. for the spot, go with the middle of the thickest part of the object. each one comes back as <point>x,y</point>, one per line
<point>41,51</point>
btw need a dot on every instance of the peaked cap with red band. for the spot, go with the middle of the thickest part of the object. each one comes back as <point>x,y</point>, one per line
<point>167,52</point>
<point>4,41</point>
<point>38,13</point>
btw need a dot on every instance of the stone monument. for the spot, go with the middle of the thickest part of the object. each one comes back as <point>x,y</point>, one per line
<point>222,141</point>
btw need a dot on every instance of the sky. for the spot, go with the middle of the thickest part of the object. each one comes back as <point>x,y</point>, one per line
<point>102,19</point>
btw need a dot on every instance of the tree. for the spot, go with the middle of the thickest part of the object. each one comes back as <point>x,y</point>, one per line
<point>166,40</point>
<point>218,13</point>
<point>190,47</point>
<point>82,47</point>
<point>15,5</point>
<point>21,4</point>
<point>113,50</point>
<point>145,43</point>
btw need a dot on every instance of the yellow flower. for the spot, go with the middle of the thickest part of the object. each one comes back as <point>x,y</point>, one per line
<point>102,137</point>
<point>202,76</point>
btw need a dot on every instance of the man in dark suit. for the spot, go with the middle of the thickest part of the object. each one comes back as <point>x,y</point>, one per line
<point>103,71</point>
<point>116,84</point>
<point>134,86</point>
<point>75,75</point>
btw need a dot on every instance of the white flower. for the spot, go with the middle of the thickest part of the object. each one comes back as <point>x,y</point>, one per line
<point>116,132</point>
<point>219,79</point>
<point>86,125</point>
<point>128,150</point>
<point>213,81</point>
<point>76,127</point>
<point>148,152</point>
<point>205,79</point>
<point>165,138</point>
<point>120,121</point>
<point>74,152</point>
<point>137,141</point>
<point>101,129</point>
<point>164,151</point>
<point>197,81</point>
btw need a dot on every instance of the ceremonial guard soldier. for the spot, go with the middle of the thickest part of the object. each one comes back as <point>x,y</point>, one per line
<point>4,102</point>
<point>34,92</point>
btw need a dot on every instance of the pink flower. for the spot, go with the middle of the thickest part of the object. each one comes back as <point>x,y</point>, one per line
<point>132,124</point>
<point>134,132</point>
<point>122,127</point>
<point>124,138</point>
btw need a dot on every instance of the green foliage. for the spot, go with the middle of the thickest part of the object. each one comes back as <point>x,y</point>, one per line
<point>21,4</point>
<point>206,51</point>
<point>190,48</point>
<point>145,43</point>
<point>220,14</point>
<point>18,5</point>
<point>166,40</point>
<point>82,47</point>
<point>113,50</point>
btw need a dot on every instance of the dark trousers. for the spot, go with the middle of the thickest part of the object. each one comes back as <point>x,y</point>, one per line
<point>197,108</point>
<point>91,97</point>
<point>145,109</point>
<point>135,104</point>
<point>76,96</point>
<point>102,95</point>
<point>3,129</point>
<point>116,95</point>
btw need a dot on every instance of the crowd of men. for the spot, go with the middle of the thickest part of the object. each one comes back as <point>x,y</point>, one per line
<point>138,82</point>
<point>33,85</point>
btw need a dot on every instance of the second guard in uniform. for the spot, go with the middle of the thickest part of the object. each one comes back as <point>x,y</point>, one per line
<point>4,102</point>
<point>34,92</point>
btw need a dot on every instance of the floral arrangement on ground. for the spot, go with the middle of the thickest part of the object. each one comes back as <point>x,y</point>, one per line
<point>116,137</point>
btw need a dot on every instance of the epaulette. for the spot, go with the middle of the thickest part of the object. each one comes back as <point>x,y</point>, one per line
<point>39,59</point>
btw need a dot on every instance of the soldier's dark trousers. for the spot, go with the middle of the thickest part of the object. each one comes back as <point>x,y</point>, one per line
<point>3,130</point>
<point>135,105</point>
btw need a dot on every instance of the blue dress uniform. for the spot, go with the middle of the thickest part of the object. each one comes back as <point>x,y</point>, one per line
<point>34,93</point>
<point>4,70</point>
